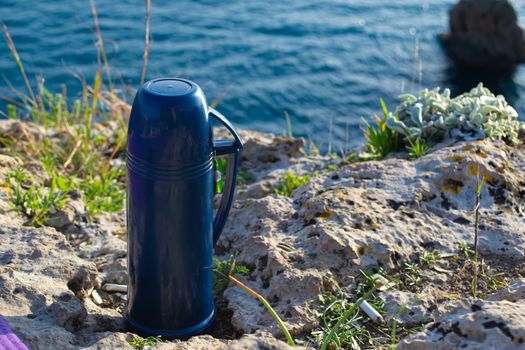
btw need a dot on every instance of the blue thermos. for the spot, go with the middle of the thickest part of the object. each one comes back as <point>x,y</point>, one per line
<point>170,221</point>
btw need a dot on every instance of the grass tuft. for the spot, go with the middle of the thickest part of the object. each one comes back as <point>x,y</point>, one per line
<point>380,139</point>
<point>38,204</point>
<point>141,343</point>
<point>290,182</point>
<point>417,148</point>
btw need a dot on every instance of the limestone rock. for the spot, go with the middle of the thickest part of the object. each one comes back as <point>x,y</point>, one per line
<point>377,213</point>
<point>41,285</point>
<point>485,34</point>
<point>201,342</point>
<point>480,325</point>
<point>417,308</point>
<point>108,340</point>
<point>62,218</point>
<point>260,341</point>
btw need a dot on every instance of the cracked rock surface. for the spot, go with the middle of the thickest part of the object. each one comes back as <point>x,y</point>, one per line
<point>480,325</point>
<point>347,218</point>
<point>380,213</point>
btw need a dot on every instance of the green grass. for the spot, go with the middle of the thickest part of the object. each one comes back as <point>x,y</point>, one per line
<point>78,157</point>
<point>38,204</point>
<point>74,143</point>
<point>104,192</point>
<point>349,333</point>
<point>140,343</point>
<point>411,274</point>
<point>290,182</point>
<point>465,249</point>
<point>430,258</point>
<point>380,139</point>
<point>331,168</point>
<point>417,148</point>
<point>220,273</point>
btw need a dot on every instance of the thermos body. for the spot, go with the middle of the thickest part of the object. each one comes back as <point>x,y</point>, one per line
<point>170,222</point>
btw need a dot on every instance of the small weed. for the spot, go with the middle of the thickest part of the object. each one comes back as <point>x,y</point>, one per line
<point>417,148</point>
<point>331,168</point>
<point>393,333</point>
<point>430,258</point>
<point>220,273</point>
<point>140,343</point>
<point>290,182</point>
<point>351,158</point>
<point>369,280</point>
<point>350,334</point>
<point>104,192</point>
<point>412,269</point>
<point>36,203</point>
<point>381,140</point>
<point>465,249</point>
<point>412,274</point>
<point>18,175</point>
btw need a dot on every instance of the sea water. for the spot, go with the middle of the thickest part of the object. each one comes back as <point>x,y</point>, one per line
<point>326,63</point>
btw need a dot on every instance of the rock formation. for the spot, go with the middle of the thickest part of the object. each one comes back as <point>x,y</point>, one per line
<point>350,216</point>
<point>484,34</point>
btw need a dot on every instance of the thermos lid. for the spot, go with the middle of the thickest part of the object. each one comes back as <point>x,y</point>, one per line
<point>170,87</point>
<point>169,125</point>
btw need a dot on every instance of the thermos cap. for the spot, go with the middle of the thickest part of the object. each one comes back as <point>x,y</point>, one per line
<point>170,87</point>
<point>169,125</point>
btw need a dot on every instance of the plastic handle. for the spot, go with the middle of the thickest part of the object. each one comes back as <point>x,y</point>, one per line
<point>231,148</point>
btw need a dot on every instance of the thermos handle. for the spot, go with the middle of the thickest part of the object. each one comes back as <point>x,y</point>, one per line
<point>230,148</point>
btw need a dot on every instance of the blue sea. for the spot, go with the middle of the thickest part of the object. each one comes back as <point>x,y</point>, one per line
<point>326,63</point>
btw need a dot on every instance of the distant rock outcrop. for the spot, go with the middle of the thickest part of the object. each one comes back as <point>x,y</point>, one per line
<point>484,34</point>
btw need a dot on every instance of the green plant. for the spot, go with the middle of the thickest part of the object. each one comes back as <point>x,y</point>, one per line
<point>140,343</point>
<point>18,175</point>
<point>346,318</point>
<point>430,258</point>
<point>381,139</point>
<point>37,204</point>
<point>473,115</point>
<point>412,269</point>
<point>221,270</point>
<point>104,192</point>
<point>331,168</point>
<point>412,274</point>
<point>417,148</point>
<point>78,154</point>
<point>350,333</point>
<point>369,279</point>
<point>290,182</point>
<point>465,249</point>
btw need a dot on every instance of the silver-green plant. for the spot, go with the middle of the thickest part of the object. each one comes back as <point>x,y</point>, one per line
<point>434,115</point>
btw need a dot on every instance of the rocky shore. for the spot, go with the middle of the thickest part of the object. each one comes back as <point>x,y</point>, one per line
<point>352,219</point>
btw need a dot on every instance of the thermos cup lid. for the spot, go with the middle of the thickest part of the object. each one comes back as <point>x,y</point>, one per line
<point>170,125</point>
<point>170,87</point>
